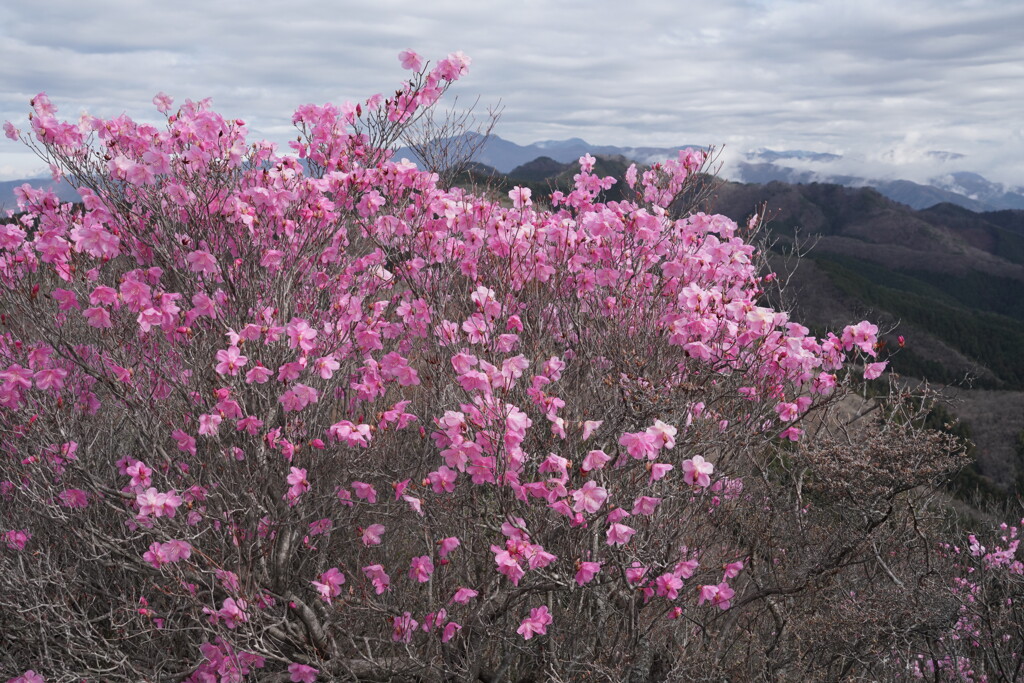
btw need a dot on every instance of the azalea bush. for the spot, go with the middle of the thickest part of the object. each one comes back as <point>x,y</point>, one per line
<point>308,415</point>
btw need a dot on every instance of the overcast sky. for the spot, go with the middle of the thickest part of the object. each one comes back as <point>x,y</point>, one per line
<point>883,82</point>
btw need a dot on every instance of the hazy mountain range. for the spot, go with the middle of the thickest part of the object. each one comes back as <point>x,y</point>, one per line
<point>970,190</point>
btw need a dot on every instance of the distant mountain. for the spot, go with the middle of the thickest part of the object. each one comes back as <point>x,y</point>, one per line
<point>63,189</point>
<point>505,155</point>
<point>969,190</point>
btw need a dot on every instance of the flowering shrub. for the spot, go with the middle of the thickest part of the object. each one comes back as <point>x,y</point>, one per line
<point>313,415</point>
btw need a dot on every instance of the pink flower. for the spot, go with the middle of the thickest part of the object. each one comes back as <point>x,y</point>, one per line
<point>16,539</point>
<point>664,434</point>
<point>300,673</point>
<point>636,573</point>
<point>668,585</point>
<point>160,554</point>
<point>378,577</point>
<point>589,498</point>
<point>641,445</point>
<point>619,534</point>
<point>365,491</point>
<point>74,498</point>
<point>230,361</point>
<point>645,505</point>
<point>203,262</point>
<point>329,585</point>
<point>520,197</point>
<point>233,612</point>
<point>372,534</point>
<point>595,460</point>
<point>258,375</point>
<point>733,569</point>
<point>587,571</point>
<point>421,568</point>
<point>299,484</point>
<point>874,370</point>
<point>696,471</point>
<point>589,427</point>
<point>464,595</point>
<point>404,627</point>
<point>152,502</point>
<point>446,545</point>
<point>720,595</point>
<point>163,102</point>
<point>29,676</point>
<point>535,624</point>
<point>209,424</point>
<point>450,629</point>
<point>410,60</point>
<point>415,503</point>
<point>97,317</point>
<point>442,480</point>
<point>659,470</point>
<point>300,335</point>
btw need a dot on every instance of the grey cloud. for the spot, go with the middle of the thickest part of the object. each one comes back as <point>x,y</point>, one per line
<point>864,78</point>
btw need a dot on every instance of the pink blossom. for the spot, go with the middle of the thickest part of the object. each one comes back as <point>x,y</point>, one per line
<point>589,427</point>
<point>733,569</point>
<point>696,471</point>
<point>365,491</point>
<point>645,505</point>
<point>403,628</point>
<point>329,585</point>
<point>659,470</point>
<point>450,629</point>
<point>203,262</point>
<point>257,375</point>
<point>415,503</point>
<point>300,335</point>
<point>641,445</point>
<point>589,498</point>
<point>520,197</point>
<point>97,317</point>
<point>442,480</point>
<point>720,595</point>
<point>230,360</point>
<point>209,424</point>
<point>298,484</point>
<point>74,498</point>
<point>536,623</point>
<point>378,577</point>
<point>586,571</point>
<point>664,434</point>
<point>463,595</point>
<point>874,370</point>
<point>16,539</point>
<point>372,534</point>
<point>29,676</point>
<point>421,568</point>
<point>595,460</point>
<point>233,612</point>
<point>619,534</point>
<point>300,673</point>
<point>668,585</point>
<point>410,60</point>
<point>447,545</point>
<point>152,502</point>
<point>863,336</point>
<point>163,102</point>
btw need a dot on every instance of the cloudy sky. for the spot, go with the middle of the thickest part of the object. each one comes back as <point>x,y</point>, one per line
<point>882,82</point>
